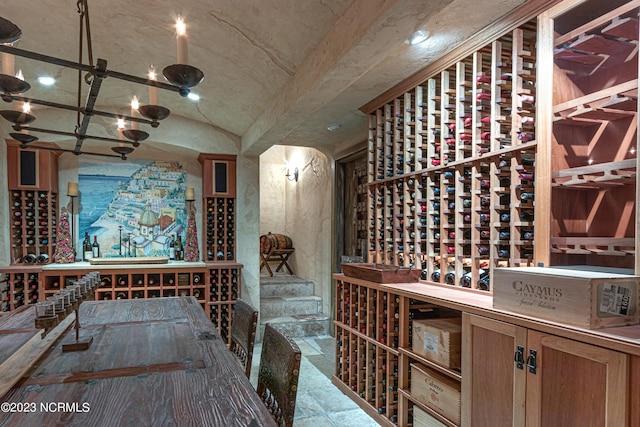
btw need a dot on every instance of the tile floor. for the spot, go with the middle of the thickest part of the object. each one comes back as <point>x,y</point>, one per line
<point>319,403</point>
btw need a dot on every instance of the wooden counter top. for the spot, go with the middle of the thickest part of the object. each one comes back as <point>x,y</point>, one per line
<point>625,339</point>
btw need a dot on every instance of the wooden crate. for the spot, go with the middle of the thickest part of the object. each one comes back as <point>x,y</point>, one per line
<point>436,391</point>
<point>438,340</point>
<point>422,419</point>
<point>589,299</point>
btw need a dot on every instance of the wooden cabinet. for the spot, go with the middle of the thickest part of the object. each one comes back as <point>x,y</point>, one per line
<point>516,377</point>
<point>216,286</point>
<point>219,213</point>
<point>218,175</point>
<point>594,141</point>
<point>33,198</point>
<point>582,377</point>
<point>31,169</point>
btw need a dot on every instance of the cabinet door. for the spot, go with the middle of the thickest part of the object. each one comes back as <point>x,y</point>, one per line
<point>575,384</point>
<point>493,387</point>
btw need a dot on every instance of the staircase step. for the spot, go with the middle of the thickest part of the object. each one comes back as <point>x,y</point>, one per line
<point>290,306</point>
<point>285,286</point>
<point>309,325</point>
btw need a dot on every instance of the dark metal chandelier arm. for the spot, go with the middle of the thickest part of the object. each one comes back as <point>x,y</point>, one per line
<point>92,97</point>
<point>87,68</point>
<point>64,150</point>
<point>79,109</point>
<point>73,135</point>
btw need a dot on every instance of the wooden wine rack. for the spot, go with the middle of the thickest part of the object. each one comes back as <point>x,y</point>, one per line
<point>367,329</point>
<point>452,167</point>
<point>33,226</point>
<point>225,287</point>
<point>373,351</point>
<point>216,286</point>
<point>219,228</point>
<point>19,286</point>
<point>593,154</point>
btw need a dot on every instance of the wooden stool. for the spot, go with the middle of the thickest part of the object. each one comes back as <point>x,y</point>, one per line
<point>280,255</point>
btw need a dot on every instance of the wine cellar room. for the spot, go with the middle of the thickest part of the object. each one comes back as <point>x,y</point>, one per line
<point>431,219</point>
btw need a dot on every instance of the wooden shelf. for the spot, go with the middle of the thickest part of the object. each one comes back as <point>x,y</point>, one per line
<point>597,176</point>
<point>610,246</point>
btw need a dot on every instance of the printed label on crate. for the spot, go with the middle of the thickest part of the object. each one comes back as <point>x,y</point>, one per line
<point>431,342</point>
<point>616,299</point>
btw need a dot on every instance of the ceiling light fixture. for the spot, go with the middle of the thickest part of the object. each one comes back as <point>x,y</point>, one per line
<point>418,37</point>
<point>46,80</point>
<point>193,96</point>
<point>334,127</point>
<point>181,76</point>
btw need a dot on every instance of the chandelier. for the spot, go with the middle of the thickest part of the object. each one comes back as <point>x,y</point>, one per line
<point>181,77</point>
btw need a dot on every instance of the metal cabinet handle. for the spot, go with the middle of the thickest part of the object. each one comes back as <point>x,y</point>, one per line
<point>531,361</point>
<point>519,357</point>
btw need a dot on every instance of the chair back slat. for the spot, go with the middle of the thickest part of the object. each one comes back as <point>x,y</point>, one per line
<point>243,333</point>
<point>278,375</point>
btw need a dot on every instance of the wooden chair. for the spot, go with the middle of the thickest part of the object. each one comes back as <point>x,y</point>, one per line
<point>243,333</point>
<point>278,375</point>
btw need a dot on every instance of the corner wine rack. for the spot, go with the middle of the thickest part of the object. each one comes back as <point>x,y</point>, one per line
<point>452,167</point>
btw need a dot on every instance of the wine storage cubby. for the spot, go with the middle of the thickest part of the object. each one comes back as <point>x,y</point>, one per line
<point>367,337</point>
<point>19,286</point>
<point>33,226</point>
<point>154,282</point>
<point>224,288</point>
<point>219,228</point>
<point>593,156</point>
<point>452,167</point>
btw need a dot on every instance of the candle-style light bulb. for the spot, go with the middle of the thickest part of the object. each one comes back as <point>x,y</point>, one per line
<point>135,104</point>
<point>120,129</point>
<point>26,107</point>
<point>181,41</point>
<point>153,91</point>
<point>8,64</point>
<point>18,105</point>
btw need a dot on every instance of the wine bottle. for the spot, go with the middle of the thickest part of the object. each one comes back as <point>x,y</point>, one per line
<point>179,253</point>
<point>87,250</point>
<point>172,249</point>
<point>483,281</point>
<point>95,247</point>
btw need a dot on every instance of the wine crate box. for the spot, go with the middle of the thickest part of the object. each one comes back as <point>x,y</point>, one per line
<point>588,299</point>
<point>436,391</point>
<point>438,340</point>
<point>422,419</point>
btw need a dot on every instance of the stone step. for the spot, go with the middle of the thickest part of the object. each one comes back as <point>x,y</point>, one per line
<point>285,286</point>
<point>298,326</point>
<point>290,306</point>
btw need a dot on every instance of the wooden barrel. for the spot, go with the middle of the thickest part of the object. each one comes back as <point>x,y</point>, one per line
<point>269,242</point>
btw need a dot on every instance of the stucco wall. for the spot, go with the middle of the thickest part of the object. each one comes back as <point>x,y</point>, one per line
<point>300,210</point>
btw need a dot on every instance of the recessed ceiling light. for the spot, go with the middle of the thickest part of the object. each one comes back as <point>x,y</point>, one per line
<point>334,127</point>
<point>193,96</point>
<point>46,80</point>
<point>418,37</point>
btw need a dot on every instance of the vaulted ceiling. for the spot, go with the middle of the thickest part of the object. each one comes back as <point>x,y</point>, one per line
<point>276,71</point>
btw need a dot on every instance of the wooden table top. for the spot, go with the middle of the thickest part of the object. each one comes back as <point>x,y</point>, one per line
<point>155,362</point>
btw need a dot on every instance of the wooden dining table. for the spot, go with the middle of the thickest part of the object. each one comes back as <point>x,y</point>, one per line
<point>152,362</point>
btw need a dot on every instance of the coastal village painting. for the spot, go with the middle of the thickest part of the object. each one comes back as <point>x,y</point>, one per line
<point>135,208</point>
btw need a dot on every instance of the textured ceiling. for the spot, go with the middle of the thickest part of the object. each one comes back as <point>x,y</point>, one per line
<point>276,71</point>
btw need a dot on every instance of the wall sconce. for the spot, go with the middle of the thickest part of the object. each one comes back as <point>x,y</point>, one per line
<point>189,196</point>
<point>292,176</point>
